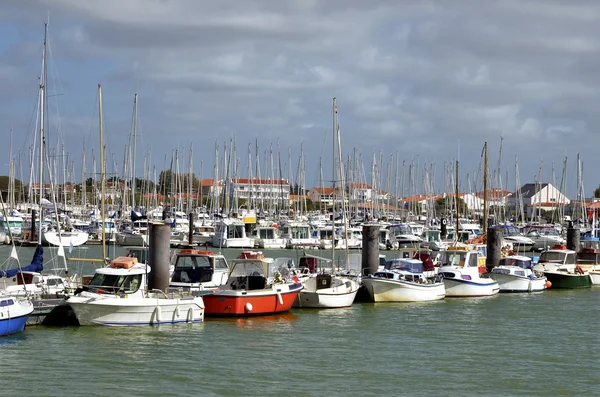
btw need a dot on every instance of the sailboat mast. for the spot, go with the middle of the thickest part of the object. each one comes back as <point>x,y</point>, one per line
<point>102,171</point>
<point>457,221</point>
<point>333,133</point>
<point>42,131</point>
<point>485,188</point>
<point>134,151</point>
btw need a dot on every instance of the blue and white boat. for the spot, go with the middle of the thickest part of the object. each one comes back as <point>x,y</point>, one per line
<point>13,315</point>
<point>461,274</point>
<point>404,280</point>
<point>515,274</point>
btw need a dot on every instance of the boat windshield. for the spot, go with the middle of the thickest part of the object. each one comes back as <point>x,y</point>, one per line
<point>249,268</point>
<point>594,244</point>
<point>400,229</point>
<point>408,266</point>
<point>300,232</point>
<point>552,257</point>
<point>113,283</point>
<point>510,231</point>
<point>523,263</point>
<point>432,236</point>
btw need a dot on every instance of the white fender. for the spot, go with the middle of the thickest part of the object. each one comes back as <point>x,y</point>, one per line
<point>279,298</point>
<point>190,315</point>
<point>248,307</point>
<point>157,315</point>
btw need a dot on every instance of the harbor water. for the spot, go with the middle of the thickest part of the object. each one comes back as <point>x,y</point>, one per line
<point>506,345</point>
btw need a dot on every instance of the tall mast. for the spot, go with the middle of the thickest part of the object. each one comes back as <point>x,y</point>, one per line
<point>102,171</point>
<point>134,151</point>
<point>333,133</point>
<point>485,189</point>
<point>42,130</point>
<point>457,221</point>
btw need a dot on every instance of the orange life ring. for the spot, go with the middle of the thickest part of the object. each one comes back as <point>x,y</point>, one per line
<point>579,269</point>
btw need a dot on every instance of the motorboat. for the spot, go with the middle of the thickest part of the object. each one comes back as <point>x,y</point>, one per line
<point>462,278</point>
<point>511,234</point>
<point>588,257</point>
<point>268,237</point>
<point>231,233</point>
<point>324,288</point>
<point>65,238</point>
<point>13,314</point>
<point>298,235</point>
<point>403,235</point>
<point>256,286</point>
<point>544,237</point>
<point>405,280</point>
<point>560,268</point>
<point>118,296</point>
<point>196,270</point>
<point>515,274</point>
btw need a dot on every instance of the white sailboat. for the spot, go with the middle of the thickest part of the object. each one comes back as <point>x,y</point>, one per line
<point>328,290</point>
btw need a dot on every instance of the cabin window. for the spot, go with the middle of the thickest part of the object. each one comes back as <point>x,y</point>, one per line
<point>520,273</point>
<point>236,231</point>
<point>383,275</point>
<point>473,260</point>
<point>7,302</point>
<point>570,258</point>
<point>220,264</point>
<point>133,283</point>
<point>54,281</point>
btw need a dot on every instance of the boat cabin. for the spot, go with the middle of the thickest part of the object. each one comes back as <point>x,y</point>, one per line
<point>459,257</point>
<point>524,262</point>
<point>558,256</point>
<point>199,267</point>
<point>589,251</point>
<point>118,280</point>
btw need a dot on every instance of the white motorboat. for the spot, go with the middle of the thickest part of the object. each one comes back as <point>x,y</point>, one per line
<point>197,270</point>
<point>515,274</point>
<point>118,296</point>
<point>560,267</point>
<point>231,233</point>
<point>404,280</point>
<point>511,234</point>
<point>268,237</point>
<point>460,271</point>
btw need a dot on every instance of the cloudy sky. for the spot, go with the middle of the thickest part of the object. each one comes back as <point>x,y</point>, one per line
<point>423,81</point>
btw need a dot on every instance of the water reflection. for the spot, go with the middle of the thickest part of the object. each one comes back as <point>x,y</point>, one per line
<point>269,322</point>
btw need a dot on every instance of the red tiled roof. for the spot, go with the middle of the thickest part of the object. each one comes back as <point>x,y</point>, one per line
<point>494,194</point>
<point>359,186</point>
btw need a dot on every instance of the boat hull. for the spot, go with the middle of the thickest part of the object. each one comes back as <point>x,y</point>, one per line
<point>595,277</point>
<point>231,303</point>
<point>66,239</point>
<point>341,295</point>
<point>131,239</point>
<point>386,290</point>
<point>456,288</point>
<point>512,283</point>
<point>564,280</point>
<point>137,311</point>
<point>14,317</point>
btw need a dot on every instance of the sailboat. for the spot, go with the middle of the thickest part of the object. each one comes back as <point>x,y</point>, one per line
<point>328,290</point>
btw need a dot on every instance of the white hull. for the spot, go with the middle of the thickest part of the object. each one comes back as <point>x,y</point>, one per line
<point>132,239</point>
<point>277,243</point>
<point>244,242</point>
<point>137,311</point>
<point>595,277</point>
<point>66,239</point>
<point>341,295</point>
<point>464,288</point>
<point>302,243</point>
<point>386,290</point>
<point>512,283</point>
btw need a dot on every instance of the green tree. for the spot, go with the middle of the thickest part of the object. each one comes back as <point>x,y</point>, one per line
<point>597,192</point>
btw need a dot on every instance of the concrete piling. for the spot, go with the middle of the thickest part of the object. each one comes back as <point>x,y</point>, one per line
<point>494,248</point>
<point>159,260</point>
<point>370,249</point>
<point>572,237</point>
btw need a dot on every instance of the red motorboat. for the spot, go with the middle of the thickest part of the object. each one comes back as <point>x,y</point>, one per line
<point>255,286</point>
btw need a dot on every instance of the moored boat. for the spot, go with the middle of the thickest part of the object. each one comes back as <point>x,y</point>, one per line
<point>196,270</point>
<point>461,275</point>
<point>13,315</point>
<point>560,268</point>
<point>404,280</point>
<point>117,296</point>
<point>256,286</point>
<point>515,274</point>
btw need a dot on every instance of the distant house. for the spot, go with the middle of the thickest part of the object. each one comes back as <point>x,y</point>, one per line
<point>496,197</point>
<point>325,195</point>
<point>360,192</point>
<point>274,190</point>
<point>542,196</point>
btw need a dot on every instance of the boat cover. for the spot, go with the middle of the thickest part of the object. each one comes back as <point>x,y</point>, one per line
<point>37,264</point>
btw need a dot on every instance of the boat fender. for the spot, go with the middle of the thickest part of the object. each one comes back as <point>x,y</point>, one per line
<point>248,307</point>
<point>548,284</point>
<point>579,269</point>
<point>157,313</point>
<point>279,298</point>
<point>190,315</point>
<point>177,311</point>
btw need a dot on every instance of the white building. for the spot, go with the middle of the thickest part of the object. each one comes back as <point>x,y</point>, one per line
<point>538,196</point>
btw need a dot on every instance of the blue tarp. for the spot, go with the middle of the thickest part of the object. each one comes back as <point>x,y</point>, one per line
<point>136,217</point>
<point>37,264</point>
